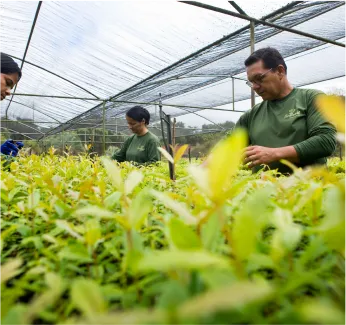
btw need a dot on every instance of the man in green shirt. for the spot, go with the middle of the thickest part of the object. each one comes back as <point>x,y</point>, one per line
<point>141,147</point>
<point>286,125</point>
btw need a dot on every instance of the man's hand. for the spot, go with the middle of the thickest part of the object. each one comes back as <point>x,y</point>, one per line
<point>258,155</point>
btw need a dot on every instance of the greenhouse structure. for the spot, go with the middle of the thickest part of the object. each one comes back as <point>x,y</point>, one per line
<point>85,63</point>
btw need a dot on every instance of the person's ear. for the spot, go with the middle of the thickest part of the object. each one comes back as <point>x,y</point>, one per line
<point>281,71</point>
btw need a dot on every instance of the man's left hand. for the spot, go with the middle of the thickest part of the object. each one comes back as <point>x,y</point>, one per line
<point>258,155</point>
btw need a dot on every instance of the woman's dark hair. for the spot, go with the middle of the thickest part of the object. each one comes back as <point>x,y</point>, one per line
<point>8,65</point>
<point>271,58</point>
<point>139,113</point>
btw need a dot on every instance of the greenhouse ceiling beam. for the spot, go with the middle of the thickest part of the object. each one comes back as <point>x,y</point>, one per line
<point>238,8</point>
<point>259,21</point>
<point>130,102</point>
<point>55,74</point>
<point>35,109</point>
<point>45,122</point>
<point>288,6</point>
<point>16,132</point>
<point>59,97</point>
<point>26,51</point>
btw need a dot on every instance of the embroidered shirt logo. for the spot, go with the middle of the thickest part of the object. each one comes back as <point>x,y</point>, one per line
<point>140,148</point>
<point>292,113</point>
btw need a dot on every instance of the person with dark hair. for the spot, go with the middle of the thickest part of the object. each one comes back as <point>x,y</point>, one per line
<point>286,124</point>
<point>10,74</point>
<point>142,146</point>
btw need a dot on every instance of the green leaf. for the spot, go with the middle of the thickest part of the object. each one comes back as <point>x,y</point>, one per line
<point>248,223</point>
<point>186,260</point>
<point>133,179</point>
<point>136,316</point>
<point>63,224</point>
<point>113,173</point>
<point>173,293</point>
<point>94,211</point>
<point>10,269</point>
<point>56,287</point>
<point>166,155</point>
<point>182,236</point>
<point>178,207</point>
<point>222,165</point>
<point>75,252</point>
<point>286,235</point>
<point>321,312</point>
<point>87,296</point>
<point>201,178</point>
<point>226,298</point>
<point>15,315</point>
<point>111,200</point>
<point>211,232</point>
<point>139,209</point>
<point>34,199</point>
<point>92,232</point>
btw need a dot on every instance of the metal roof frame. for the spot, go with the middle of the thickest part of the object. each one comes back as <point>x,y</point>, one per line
<point>242,15</point>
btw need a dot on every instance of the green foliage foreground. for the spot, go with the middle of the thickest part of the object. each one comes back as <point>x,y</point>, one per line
<point>88,242</point>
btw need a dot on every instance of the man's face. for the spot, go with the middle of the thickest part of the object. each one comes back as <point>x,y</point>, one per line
<point>266,84</point>
<point>7,83</point>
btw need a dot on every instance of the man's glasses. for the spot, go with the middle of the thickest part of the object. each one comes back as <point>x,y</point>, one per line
<point>258,80</point>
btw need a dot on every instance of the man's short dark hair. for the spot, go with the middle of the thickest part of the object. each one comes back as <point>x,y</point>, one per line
<point>271,58</point>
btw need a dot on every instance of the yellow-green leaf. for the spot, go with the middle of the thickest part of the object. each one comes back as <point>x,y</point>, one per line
<point>180,153</point>
<point>134,178</point>
<point>200,176</point>
<point>87,296</point>
<point>166,155</point>
<point>185,260</point>
<point>182,236</point>
<point>226,298</point>
<point>92,232</point>
<point>178,207</point>
<point>63,224</point>
<point>94,211</point>
<point>333,109</point>
<point>113,173</point>
<point>139,209</point>
<point>224,162</point>
<point>10,269</point>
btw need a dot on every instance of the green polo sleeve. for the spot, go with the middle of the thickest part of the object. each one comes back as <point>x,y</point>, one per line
<point>120,155</point>
<point>321,140</point>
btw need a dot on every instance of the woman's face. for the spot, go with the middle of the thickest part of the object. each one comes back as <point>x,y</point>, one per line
<point>135,126</point>
<point>8,80</point>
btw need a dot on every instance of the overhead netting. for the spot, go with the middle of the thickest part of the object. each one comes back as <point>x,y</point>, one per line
<point>136,58</point>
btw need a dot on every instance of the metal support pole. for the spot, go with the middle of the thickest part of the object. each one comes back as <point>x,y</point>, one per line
<point>252,49</point>
<point>168,145</point>
<point>104,128</point>
<point>170,150</point>
<point>239,9</point>
<point>174,122</point>
<point>189,154</point>
<point>63,140</point>
<point>233,106</point>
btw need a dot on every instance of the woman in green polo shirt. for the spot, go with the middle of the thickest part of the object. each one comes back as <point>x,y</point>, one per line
<point>141,147</point>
